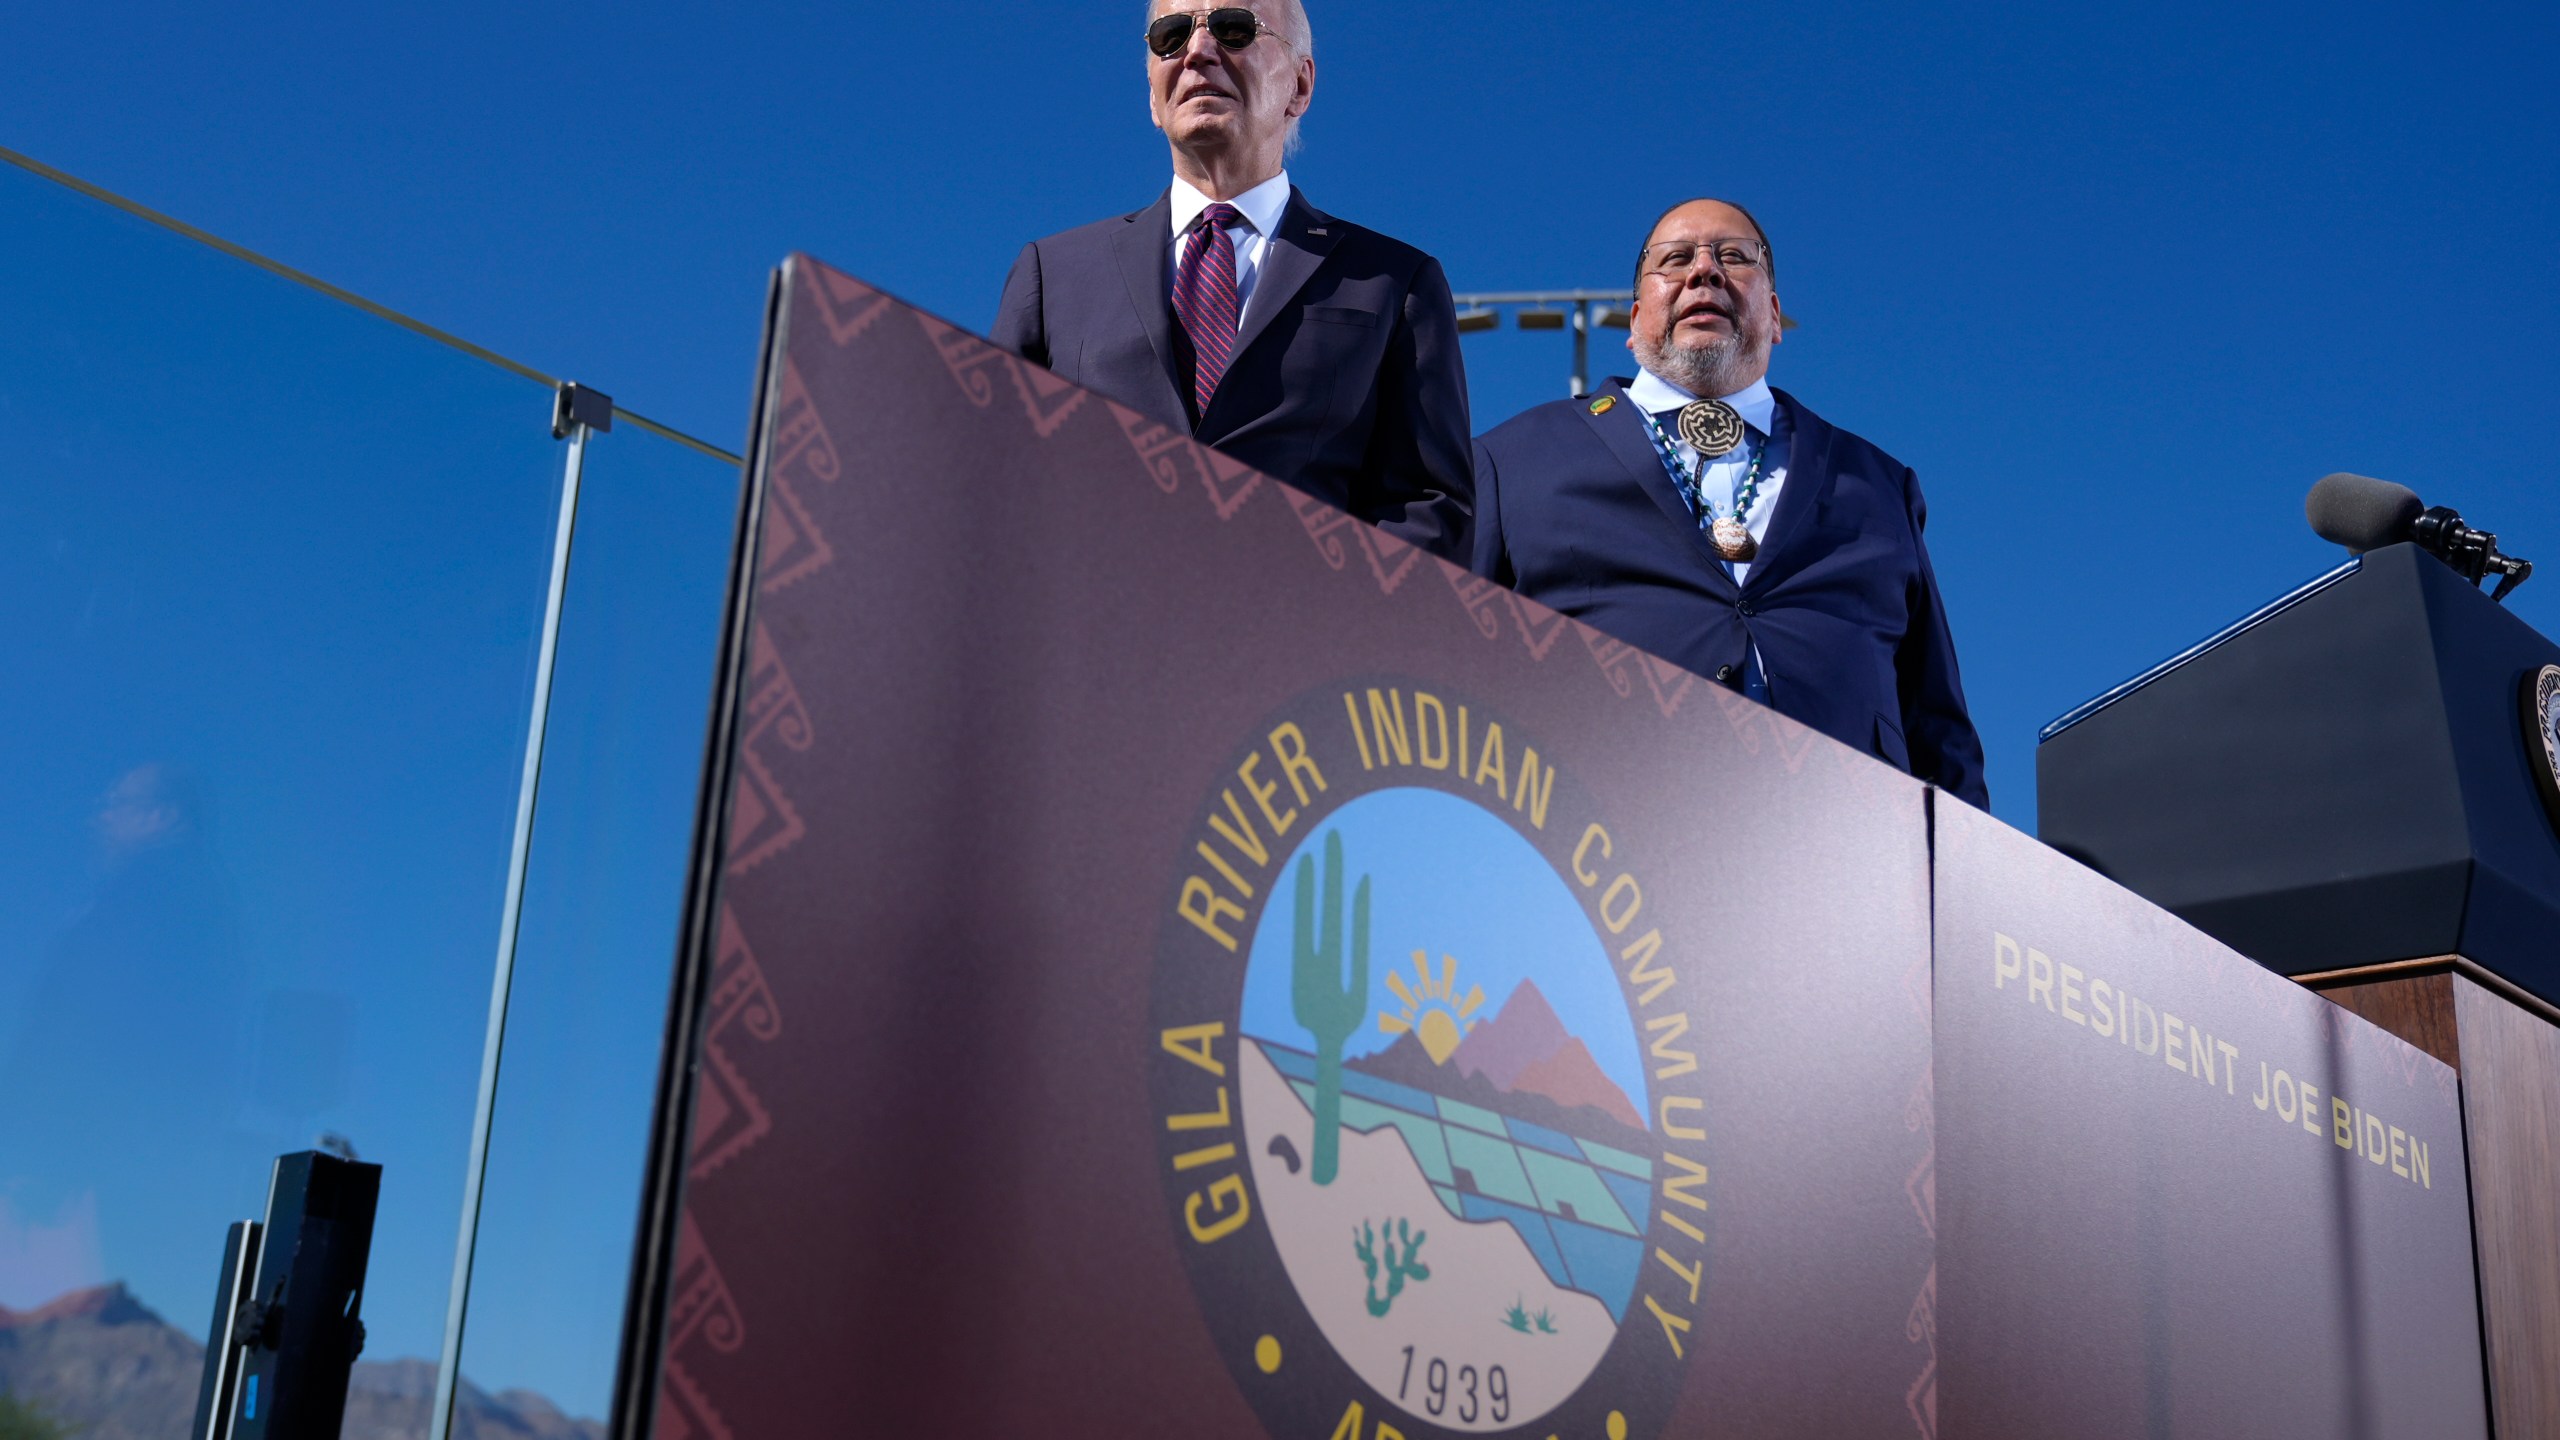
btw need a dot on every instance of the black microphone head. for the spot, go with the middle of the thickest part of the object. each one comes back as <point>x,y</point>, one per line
<point>2360,512</point>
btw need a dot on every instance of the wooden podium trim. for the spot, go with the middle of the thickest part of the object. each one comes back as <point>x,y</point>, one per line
<point>2505,1045</point>
<point>2461,965</point>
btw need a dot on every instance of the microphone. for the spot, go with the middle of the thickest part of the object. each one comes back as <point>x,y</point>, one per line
<point>2362,513</point>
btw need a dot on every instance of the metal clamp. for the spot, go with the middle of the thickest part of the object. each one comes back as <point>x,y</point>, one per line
<point>575,405</point>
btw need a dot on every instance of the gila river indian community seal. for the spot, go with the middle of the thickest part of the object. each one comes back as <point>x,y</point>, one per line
<point>1428,1106</point>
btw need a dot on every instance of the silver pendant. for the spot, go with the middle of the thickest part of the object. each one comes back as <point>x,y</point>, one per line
<point>1710,425</point>
<point>1732,539</point>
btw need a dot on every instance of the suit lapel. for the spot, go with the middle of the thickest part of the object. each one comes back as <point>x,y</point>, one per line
<point>1809,479</point>
<point>1623,433</point>
<point>1306,237</point>
<point>1142,244</point>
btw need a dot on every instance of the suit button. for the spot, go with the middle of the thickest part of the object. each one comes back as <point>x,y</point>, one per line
<point>1747,608</point>
<point>1724,674</point>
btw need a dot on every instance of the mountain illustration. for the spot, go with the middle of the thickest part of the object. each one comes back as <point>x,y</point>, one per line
<point>1522,1061</point>
<point>1570,1077</point>
<point>1526,1049</point>
<point>1524,1032</point>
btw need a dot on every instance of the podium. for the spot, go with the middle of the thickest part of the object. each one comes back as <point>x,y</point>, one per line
<point>2342,779</point>
<point>2354,787</point>
<point>1164,958</point>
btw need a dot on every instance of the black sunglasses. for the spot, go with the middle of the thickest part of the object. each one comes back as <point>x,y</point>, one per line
<point>1232,26</point>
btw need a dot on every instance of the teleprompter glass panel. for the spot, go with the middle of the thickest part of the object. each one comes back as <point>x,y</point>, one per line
<point>622,766</point>
<point>271,586</point>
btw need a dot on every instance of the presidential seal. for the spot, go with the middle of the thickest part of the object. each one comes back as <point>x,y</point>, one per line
<point>1428,1102</point>
<point>2542,734</point>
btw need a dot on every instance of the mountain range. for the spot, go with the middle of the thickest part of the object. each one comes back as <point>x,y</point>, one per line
<point>106,1367</point>
<point>1524,1053</point>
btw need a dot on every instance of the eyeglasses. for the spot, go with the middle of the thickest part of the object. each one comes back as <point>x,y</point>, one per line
<point>1674,259</point>
<point>1232,26</point>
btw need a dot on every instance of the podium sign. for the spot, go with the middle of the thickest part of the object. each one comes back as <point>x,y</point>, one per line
<point>1169,959</point>
<point>2181,1195</point>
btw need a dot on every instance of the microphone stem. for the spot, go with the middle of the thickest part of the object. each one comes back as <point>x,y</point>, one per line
<point>2512,573</point>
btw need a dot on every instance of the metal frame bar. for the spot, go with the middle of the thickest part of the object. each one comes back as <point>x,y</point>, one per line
<point>502,982</point>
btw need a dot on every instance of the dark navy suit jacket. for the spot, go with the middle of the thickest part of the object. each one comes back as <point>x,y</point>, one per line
<point>1575,510</point>
<point>1346,380</point>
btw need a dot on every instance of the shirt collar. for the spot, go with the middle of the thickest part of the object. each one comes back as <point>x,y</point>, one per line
<point>1261,206</point>
<point>1753,402</point>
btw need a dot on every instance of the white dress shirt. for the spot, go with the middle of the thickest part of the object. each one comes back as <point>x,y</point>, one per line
<point>1261,207</point>
<point>1723,474</point>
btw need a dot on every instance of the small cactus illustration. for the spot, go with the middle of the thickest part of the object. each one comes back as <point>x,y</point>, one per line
<point>1519,1318</point>
<point>1330,1009</point>
<point>1369,1245</point>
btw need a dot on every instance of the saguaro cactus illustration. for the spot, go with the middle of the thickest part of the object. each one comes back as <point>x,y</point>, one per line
<point>1328,1008</point>
<point>1400,1268</point>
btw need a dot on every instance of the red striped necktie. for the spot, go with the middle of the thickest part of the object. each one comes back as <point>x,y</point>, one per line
<point>1204,297</point>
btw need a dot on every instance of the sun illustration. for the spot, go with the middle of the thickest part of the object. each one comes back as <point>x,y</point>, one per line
<point>1432,1009</point>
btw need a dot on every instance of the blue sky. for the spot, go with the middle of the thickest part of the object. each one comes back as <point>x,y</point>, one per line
<point>2119,281</point>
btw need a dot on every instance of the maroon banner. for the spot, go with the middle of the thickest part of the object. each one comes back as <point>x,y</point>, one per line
<point>2182,1194</point>
<point>1183,963</point>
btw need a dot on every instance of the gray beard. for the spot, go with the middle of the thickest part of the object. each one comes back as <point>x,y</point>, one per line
<point>1711,371</point>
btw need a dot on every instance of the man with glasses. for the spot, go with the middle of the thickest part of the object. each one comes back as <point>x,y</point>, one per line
<point>1695,512</point>
<point>1235,312</point>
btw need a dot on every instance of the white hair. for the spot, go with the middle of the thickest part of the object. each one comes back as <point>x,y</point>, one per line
<point>1306,43</point>
<point>1293,13</point>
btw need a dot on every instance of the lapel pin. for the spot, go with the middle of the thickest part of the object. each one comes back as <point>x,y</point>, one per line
<point>1317,231</point>
<point>1602,405</point>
